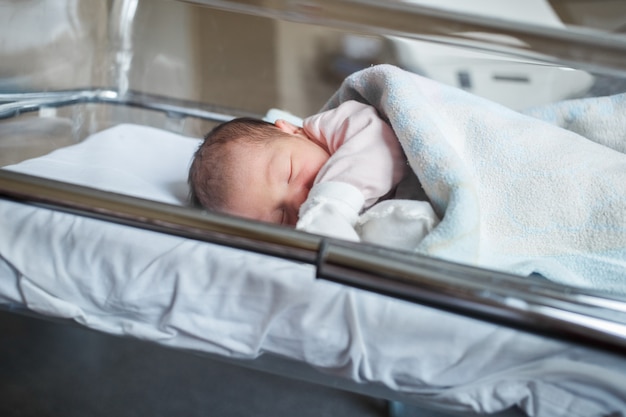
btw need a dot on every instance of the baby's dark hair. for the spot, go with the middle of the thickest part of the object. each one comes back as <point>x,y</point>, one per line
<point>212,168</point>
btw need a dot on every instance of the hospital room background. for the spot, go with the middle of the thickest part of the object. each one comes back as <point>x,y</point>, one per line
<point>247,63</point>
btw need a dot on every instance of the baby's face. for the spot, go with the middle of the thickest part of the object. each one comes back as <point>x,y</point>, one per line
<point>275,178</point>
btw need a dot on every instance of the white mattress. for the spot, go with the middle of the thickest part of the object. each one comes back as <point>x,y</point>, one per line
<point>194,295</point>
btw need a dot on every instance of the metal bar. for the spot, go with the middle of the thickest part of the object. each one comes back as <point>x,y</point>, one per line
<point>160,217</point>
<point>573,46</point>
<point>580,316</point>
<point>19,103</point>
<point>576,315</point>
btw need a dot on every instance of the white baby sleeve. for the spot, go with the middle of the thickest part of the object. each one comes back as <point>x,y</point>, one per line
<point>332,209</point>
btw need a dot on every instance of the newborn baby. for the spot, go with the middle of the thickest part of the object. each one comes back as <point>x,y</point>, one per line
<point>319,177</point>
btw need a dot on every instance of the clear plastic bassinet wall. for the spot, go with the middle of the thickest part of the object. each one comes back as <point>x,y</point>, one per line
<point>165,48</point>
<point>230,62</point>
<point>246,57</point>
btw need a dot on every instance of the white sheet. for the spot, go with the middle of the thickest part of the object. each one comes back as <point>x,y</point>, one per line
<point>194,295</point>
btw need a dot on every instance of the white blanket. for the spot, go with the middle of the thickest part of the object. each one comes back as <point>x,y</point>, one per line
<point>514,192</point>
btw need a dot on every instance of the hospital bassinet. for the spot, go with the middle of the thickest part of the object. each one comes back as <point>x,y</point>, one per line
<point>121,90</point>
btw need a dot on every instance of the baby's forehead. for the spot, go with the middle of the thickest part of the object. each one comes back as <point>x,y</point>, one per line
<point>243,148</point>
<point>262,138</point>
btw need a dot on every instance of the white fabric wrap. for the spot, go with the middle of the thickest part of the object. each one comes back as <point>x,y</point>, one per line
<point>332,209</point>
<point>399,224</point>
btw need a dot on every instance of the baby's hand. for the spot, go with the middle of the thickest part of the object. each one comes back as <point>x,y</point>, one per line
<point>332,209</point>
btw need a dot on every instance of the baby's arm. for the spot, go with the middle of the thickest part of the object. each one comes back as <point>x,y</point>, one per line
<point>365,151</point>
<point>366,163</point>
<point>332,209</point>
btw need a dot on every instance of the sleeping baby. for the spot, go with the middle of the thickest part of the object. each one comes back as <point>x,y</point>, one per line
<point>332,176</point>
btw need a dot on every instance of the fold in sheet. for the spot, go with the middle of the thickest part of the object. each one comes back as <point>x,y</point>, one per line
<point>513,192</point>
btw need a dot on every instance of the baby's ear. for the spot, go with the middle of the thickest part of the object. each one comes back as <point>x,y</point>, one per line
<point>286,127</point>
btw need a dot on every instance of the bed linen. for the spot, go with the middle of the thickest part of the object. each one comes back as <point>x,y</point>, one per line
<point>194,295</point>
<point>538,193</point>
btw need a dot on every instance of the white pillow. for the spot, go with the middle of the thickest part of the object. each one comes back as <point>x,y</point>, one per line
<point>123,159</point>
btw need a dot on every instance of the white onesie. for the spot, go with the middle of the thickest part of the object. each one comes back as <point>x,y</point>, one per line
<point>366,164</point>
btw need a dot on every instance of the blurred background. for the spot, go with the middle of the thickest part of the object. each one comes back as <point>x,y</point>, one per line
<point>191,51</point>
<point>250,63</point>
<point>187,50</point>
